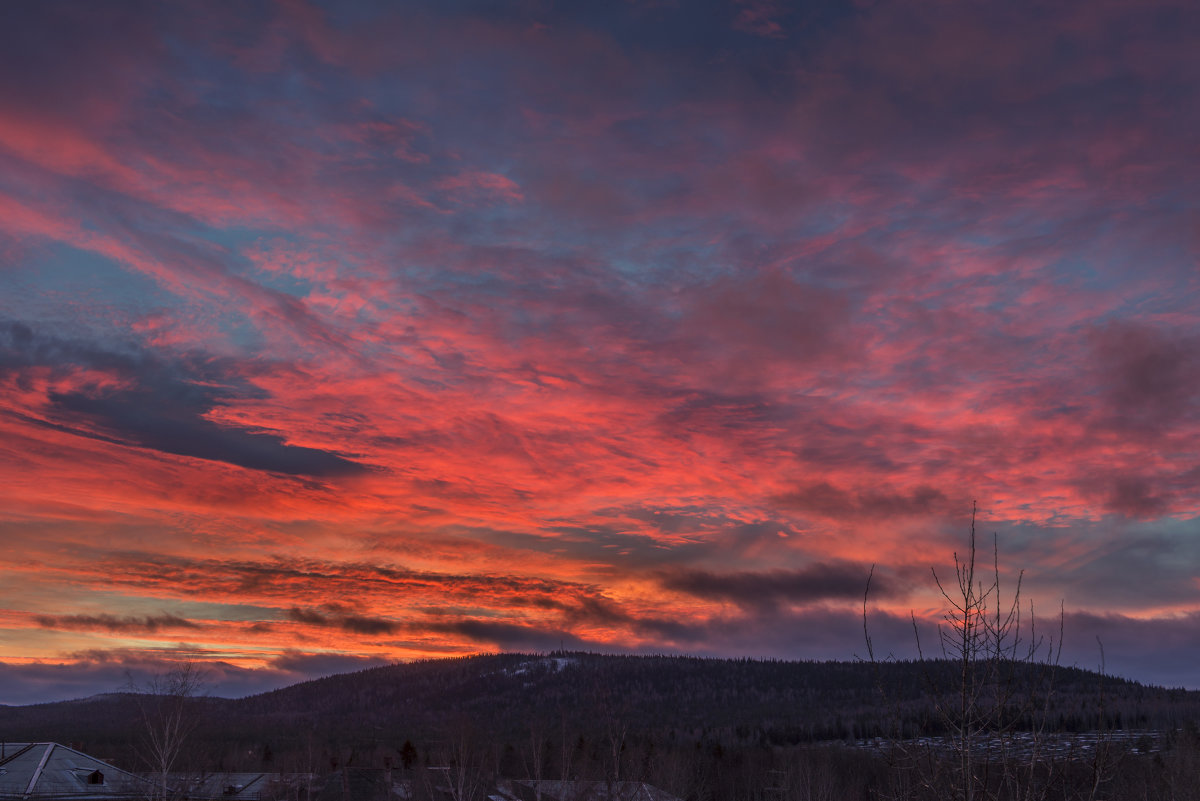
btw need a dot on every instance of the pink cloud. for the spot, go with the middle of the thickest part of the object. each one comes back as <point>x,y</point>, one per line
<point>480,187</point>
<point>759,17</point>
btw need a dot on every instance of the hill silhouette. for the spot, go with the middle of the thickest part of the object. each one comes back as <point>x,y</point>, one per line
<point>728,703</point>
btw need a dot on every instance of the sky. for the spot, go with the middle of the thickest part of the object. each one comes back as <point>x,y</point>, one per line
<point>340,334</point>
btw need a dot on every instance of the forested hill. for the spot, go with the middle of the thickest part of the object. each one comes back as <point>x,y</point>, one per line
<point>738,702</point>
<point>794,700</point>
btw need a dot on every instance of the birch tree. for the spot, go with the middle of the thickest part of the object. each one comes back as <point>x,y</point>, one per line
<point>169,708</point>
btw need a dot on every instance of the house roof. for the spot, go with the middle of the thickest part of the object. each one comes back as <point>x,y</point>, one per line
<point>362,784</point>
<point>589,791</point>
<point>51,770</point>
<point>242,786</point>
<point>228,785</point>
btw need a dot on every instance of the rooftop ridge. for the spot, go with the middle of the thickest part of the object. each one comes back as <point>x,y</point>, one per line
<point>37,773</point>
<point>24,747</point>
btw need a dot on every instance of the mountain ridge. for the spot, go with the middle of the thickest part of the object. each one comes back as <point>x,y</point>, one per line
<point>730,703</point>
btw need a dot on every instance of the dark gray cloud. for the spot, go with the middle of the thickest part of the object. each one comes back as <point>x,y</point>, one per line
<point>1137,569</point>
<point>1142,490</point>
<point>725,412</point>
<point>817,582</point>
<point>1162,650</point>
<point>592,610</point>
<point>1113,562</point>
<point>161,405</point>
<point>152,418</point>
<point>811,633</point>
<point>357,624</point>
<point>33,683</point>
<point>742,327</point>
<point>826,500</point>
<point>309,616</point>
<point>294,666</point>
<point>147,624</point>
<point>1150,377</point>
<point>118,44</point>
<point>576,611</point>
<point>516,637</point>
<point>1133,496</point>
<point>607,543</point>
<point>106,671</point>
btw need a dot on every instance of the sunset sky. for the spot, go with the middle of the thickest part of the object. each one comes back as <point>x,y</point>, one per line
<point>333,334</point>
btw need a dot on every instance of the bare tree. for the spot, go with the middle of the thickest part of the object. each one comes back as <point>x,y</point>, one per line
<point>461,773</point>
<point>1003,679</point>
<point>168,703</point>
<point>566,747</point>
<point>611,716</point>
<point>535,757</point>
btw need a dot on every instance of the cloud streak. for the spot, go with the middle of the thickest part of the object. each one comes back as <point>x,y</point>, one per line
<point>817,582</point>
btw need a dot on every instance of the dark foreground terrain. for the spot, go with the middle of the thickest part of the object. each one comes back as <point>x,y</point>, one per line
<point>699,728</point>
